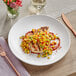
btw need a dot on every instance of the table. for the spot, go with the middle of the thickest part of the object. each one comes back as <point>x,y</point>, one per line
<point>67,65</point>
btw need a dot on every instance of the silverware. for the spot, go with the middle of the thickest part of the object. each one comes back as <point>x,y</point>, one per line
<point>3,54</point>
<point>67,22</point>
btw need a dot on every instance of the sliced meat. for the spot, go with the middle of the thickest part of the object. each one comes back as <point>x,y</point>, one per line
<point>34,50</point>
<point>29,33</point>
<point>44,28</point>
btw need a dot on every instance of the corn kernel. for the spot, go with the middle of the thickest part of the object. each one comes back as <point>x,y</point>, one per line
<point>24,47</point>
<point>28,52</point>
<point>48,57</point>
<point>52,37</point>
<point>38,55</point>
<point>46,54</point>
<point>38,29</point>
<point>27,36</point>
<point>33,30</point>
<point>50,52</point>
<point>42,56</point>
<point>50,49</point>
<point>25,51</point>
<point>52,43</point>
<point>34,41</point>
<point>55,36</point>
<point>53,46</point>
<point>21,37</point>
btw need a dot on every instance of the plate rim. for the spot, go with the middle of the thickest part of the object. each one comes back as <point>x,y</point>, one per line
<point>11,48</point>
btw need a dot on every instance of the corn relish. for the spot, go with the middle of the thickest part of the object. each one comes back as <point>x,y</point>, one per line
<point>40,41</point>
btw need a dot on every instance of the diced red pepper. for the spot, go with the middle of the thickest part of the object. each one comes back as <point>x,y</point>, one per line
<point>44,48</point>
<point>46,44</point>
<point>42,42</point>
<point>47,41</point>
<point>46,32</point>
<point>54,43</point>
<point>38,35</point>
<point>43,34</point>
<point>37,40</point>
<point>51,44</point>
<point>41,37</point>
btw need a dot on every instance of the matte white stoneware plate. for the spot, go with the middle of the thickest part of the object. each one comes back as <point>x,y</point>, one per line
<point>33,22</point>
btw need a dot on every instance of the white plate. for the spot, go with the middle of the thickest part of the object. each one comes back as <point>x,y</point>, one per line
<point>28,23</point>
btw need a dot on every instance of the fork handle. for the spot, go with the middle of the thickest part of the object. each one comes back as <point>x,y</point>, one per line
<point>68,24</point>
<point>18,74</point>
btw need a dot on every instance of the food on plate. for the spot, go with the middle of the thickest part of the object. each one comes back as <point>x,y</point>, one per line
<point>40,41</point>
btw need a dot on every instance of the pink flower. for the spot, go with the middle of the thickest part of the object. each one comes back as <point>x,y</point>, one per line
<point>13,5</point>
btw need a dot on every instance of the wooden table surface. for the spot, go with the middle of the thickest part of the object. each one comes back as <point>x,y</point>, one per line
<point>64,67</point>
<point>67,65</point>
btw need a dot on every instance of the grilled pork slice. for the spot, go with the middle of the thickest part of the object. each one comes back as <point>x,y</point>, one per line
<point>29,33</point>
<point>34,48</point>
<point>44,28</point>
